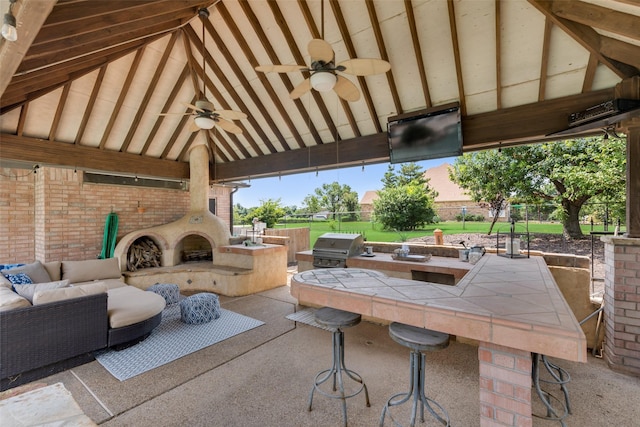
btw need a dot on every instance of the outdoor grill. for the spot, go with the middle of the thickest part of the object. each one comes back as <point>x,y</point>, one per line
<point>332,249</point>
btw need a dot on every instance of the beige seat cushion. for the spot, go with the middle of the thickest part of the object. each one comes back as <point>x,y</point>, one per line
<point>91,269</point>
<point>10,300</point>
<point>128,305</point>
<point>61,294</point>
<point>110,283</point>
<point>53,268</point>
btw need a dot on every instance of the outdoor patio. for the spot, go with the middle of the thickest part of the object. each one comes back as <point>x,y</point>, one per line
<point>263,378</point>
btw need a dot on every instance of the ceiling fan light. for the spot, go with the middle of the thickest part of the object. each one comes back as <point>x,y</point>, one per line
<point>323,81</point>
<point>205,122</point>
<point>9,31</point>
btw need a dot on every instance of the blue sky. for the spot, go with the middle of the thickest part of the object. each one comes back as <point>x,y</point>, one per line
<point>292,189</point>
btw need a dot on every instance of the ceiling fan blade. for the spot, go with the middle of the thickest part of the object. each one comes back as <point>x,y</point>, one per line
<point>281,68</point>
<point>193,107</point>
<point>231,115</point>
<point>365,66</point>
<point>346,89</point>
<point>228,126</point>
<point>301,89</point>
<point>175,114</point>
<point>320,50</point>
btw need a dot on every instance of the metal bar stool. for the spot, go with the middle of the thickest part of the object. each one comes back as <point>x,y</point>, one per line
<point>559,377</point>
<point>335,320</point>
<point>418,340</point>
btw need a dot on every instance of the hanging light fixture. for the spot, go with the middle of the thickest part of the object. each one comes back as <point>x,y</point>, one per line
<point>204,121</point>
<point>9,31</point>
<point>323,81</point>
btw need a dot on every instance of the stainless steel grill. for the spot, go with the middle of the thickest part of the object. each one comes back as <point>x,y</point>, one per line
<point>332,249</point>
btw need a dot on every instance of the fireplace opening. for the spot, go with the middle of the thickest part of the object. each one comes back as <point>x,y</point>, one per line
<point>196,248</point>
<point>144,252</point>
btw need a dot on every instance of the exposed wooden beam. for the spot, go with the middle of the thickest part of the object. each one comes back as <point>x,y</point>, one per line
<point>177,131</point>
<point>586,36</point>
<point>544,61</point>
<point>417,50</point>
<point>123,94</point>
<point>600,17</point>
<point>590,73</point>
<point>62,101</point>
<point>373,17</point>
<point>620,51</point>
<point>35,150</point>
<point>31,14</point>
<point>351,50</point>
<point>456,55</point>
<point>498,30</point>
<point>97,84</point>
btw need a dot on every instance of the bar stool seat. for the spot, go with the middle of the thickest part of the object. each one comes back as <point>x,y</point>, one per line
<point>418,340</point>
<point>335,319</point>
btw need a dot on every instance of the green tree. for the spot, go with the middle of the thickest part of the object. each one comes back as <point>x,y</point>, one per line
<point>568,172</point>
<point>489,176</point>
<point>333,197</point>
<point>269,212</point>
<point>406,200</point>
<point>239,213</point>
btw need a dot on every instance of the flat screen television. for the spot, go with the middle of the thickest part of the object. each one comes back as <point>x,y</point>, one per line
<point>430,135</point>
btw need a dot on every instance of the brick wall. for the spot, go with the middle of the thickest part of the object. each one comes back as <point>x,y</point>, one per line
<point>505,386</point>
<point>622,304</point>
<point>53,215</point>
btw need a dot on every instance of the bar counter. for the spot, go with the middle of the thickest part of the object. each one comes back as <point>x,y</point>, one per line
<point>512,307</point>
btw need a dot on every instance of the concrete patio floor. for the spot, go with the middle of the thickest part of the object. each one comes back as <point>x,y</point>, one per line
<point>263,378</point>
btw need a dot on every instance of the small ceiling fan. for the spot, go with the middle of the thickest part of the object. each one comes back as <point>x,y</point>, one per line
<point>324,72</point>
<point>204,112</point>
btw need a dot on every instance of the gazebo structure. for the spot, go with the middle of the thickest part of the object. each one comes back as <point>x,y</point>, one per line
<point>84,86</point>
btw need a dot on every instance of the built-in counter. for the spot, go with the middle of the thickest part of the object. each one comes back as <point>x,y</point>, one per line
<point>512,307</point>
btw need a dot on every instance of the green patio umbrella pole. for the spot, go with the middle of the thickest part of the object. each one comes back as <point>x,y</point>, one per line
<point>109,238</point>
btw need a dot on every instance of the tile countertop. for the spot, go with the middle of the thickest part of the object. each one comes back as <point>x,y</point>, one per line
<point>510,302</point>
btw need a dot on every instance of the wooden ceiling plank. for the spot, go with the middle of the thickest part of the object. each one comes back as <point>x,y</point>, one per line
<point>344,32</point>
<point>299,58</point>
<point>144,103</point>
<point>64,154</point>
<point>586,36</point>
<point>498,30</point>
<point>544,62</point>
<point>65,12</point>
<point>248,53</point>
<point>92,101</point>
<point>170,99</point>
<point>313,29</point>
<point>590,73</point>
<point>208,83</point>
<point>123,94</point>
<point>373,18</point>
<point>190,63</point>
<point>245,83</point>
<point>12,54</point>
<point>66,50</point>
<point>620,51</point>
<point>417,50</point>
<point>133,15</point>
<point>56,118</point>
<point>456,55</point>
<point>600,17</point>
<point>176,132</point>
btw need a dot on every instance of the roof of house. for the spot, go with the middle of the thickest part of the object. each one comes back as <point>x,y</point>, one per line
<point>448,191</point>
<point>368,197</point>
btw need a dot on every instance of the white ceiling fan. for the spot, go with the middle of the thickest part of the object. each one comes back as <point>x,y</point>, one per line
<point>205,116</point>
<point>324,72</point>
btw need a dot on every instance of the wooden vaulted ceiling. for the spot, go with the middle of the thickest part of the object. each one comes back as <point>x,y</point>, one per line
<point>85,83</point>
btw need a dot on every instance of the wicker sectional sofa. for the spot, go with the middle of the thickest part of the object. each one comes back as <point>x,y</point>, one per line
<point>76,308</point>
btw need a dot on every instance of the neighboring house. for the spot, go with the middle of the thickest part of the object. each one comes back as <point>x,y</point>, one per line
<point>451,198</point>
<point>366,204</point>
<point>449,202</point>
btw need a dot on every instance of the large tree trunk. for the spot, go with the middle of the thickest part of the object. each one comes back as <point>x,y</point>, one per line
<point>497,205</point>
<point>571,221</point>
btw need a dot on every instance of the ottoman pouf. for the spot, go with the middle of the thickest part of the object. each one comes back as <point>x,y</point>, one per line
<point>200,308</point>
<point>168,291</point>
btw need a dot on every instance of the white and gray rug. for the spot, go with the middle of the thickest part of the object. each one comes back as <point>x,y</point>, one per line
<point>171,340</point>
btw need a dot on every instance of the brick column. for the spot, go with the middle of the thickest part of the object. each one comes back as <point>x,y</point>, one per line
<point>622,304</point>
<point>505,386</point>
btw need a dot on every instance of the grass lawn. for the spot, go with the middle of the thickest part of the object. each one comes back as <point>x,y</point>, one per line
<point>374,233</point>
